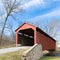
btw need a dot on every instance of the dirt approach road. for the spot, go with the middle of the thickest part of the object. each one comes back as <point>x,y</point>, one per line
<point>12,49</point>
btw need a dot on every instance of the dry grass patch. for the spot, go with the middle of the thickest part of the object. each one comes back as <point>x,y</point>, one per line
<point>50,58</point>
<point>12,55</point>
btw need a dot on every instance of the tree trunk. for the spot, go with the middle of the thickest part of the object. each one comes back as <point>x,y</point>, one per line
<point>3,30</point>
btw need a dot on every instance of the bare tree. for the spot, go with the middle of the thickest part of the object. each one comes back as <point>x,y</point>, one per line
<point>11,7</point>
<point>10,27</point>
<point>51,27</point>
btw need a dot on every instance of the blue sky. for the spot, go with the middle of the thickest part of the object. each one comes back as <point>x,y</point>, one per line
<point>41,7</point>
<point>37,12</point>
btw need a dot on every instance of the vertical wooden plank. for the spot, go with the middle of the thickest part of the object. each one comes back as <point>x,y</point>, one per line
<point>16,38</point>
<point>35,37</point>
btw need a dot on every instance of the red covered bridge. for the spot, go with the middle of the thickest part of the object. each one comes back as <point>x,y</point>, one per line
<point>28,35</point>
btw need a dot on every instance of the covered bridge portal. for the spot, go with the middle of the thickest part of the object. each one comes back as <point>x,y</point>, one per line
<point>28,35</point>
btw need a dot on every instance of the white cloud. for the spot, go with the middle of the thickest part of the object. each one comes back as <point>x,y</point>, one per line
<point>53,13</point>
<point>33,3</point>
<point>2,16</point>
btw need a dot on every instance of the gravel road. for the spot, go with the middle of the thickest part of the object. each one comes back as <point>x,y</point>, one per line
<point>12,49</point>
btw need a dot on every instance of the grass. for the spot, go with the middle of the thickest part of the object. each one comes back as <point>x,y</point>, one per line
<point>7,43</point>
<point>12,55</point>
<point>50,58</point>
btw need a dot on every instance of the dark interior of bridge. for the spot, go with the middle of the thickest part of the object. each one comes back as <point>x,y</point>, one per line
<point>26,37</point>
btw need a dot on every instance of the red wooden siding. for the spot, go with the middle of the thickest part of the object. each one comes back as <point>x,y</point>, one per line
<point>46,42</point>
<point>25,26</point>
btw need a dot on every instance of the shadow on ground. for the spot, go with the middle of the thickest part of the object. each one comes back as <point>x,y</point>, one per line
<point>55,53</point>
